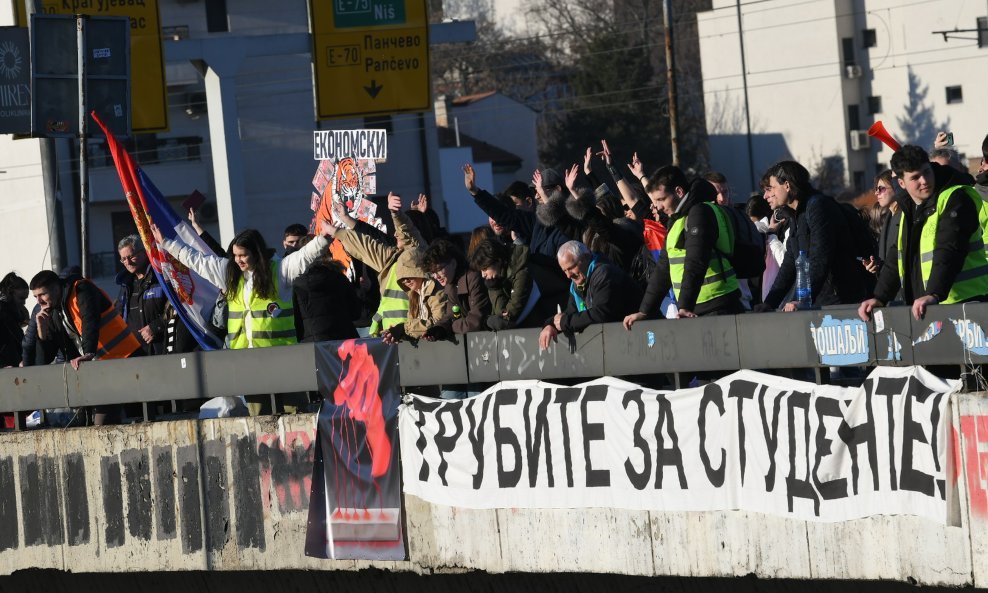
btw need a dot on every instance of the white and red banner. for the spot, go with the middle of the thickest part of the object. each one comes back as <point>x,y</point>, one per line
<point>749,441</point>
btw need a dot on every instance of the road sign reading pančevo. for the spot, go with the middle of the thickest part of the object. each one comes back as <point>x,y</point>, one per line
<point>370,56</point>
<point>149,111</point>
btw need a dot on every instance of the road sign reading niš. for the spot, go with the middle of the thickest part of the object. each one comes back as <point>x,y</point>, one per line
<point>370,56</point>
<point>147,62</point>
<point>359,144</point>
<point>15,81</point>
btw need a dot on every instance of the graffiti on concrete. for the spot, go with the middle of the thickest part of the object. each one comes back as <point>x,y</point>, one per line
<point>286,469</point>
<point>204,494</point>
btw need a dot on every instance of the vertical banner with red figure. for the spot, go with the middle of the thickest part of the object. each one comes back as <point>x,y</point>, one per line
<point>355,506</point>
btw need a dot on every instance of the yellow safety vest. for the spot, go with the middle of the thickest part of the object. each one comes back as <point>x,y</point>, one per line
<point>393,308</point>
<point>972,280</point>
<point>272,321</point>
<point>720,278</point>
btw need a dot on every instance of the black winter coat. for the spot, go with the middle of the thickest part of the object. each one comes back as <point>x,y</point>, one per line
<point>835,274</point>
<point>152,311</point>
<point>11,334</point>
<point>325,305</point>
<point>611,295</point>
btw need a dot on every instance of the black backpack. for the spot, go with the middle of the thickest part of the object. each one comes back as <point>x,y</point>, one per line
<point>748,258</point>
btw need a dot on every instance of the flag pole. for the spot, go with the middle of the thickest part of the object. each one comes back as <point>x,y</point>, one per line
<point>80,21</point>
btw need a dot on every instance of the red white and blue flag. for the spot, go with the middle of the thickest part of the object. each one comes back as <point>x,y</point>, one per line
<point>655,237</point>
<point>192,295</point>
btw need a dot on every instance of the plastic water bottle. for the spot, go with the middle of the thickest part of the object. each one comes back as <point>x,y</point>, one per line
<point>804,292</point>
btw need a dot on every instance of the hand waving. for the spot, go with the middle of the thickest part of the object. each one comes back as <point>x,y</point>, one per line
<point>469,178</point>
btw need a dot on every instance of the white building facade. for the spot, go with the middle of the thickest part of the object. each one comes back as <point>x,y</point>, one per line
<point>819,73</point>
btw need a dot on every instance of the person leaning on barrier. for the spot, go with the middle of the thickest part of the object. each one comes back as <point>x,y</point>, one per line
<point>374,249</point>
<point>510,288</point>
<point>467,303</point>
<point>411,302</point>
<point>824,232</point>
<point>600,292</point>
<point>77,318</point>
<point>694,262</point>
<point>940,250</point>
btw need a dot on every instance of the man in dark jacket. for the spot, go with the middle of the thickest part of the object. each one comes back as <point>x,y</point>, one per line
<point>939,256</point>
<point>141,300</point>
<point>824,233</point>
<point>600,292</point>
<point>544,240</point>
<point>695,260</point>
<point>79,320</point>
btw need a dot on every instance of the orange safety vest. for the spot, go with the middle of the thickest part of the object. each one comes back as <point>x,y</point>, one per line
<point>116,339</point>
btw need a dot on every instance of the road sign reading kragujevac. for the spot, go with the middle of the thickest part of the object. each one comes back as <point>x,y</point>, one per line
<point>370,56</point>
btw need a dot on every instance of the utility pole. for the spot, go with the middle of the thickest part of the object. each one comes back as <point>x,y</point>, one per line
<point>671,81</point>
<point>747,110</point>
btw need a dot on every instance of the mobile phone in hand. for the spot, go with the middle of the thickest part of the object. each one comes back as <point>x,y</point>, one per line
<point>950,138</point>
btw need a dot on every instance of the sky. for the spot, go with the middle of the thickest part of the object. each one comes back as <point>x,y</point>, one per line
<point>507,13</point>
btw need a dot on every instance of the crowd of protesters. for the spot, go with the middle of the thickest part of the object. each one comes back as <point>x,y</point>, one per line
<point>560,253</point>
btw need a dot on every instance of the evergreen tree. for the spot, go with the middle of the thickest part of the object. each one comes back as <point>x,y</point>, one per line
<point>918,126</point>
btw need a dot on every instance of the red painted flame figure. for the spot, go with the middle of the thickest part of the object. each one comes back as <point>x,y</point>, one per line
<point>359,390</point>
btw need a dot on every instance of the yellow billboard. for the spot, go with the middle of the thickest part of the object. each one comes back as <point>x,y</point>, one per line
<point>149,101</point>
<point>369,56</point>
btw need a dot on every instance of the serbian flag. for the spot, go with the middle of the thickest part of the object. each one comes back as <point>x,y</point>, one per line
<point>655,237</point>
<point>192,295</point>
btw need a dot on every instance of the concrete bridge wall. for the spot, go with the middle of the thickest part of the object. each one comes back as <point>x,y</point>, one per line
<point>232,495</point>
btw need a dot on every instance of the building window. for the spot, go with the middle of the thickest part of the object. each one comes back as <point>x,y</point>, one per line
<point>874,105</point>
<point>955,94</point>
<point>859,180</point>
<point>853,117</point>
<point>847,50</point>
<point>982,31</point>
<point>870,39</point>
<point>379,122</point>
<point>217,20</point>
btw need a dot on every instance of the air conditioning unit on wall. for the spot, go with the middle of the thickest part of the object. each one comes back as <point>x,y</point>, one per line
<point>860,140</point>
<point>853,71</point>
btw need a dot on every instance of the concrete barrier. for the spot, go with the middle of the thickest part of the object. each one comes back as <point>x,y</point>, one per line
<point>232,495</point>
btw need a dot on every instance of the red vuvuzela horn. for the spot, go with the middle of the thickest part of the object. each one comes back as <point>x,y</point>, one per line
<point>878,130</point>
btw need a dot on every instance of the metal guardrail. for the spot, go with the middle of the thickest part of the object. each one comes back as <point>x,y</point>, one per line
<point>751,341</point>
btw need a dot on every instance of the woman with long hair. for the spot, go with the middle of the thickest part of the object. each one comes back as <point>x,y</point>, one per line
<point>821,230</point>
<point>258,287</point>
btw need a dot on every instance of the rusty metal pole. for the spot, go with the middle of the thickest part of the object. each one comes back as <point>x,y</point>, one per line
<point>671,81</point>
